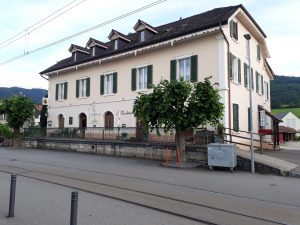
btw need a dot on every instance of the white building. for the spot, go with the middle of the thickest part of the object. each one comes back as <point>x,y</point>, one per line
<point>97,85</point>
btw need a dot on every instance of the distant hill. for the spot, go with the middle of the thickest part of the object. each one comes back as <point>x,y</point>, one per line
<point>35,94</point>
<point>285,92</point>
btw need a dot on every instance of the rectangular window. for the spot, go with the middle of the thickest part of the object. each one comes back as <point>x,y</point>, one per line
<point>187,68</point>
<point>142,78</point>
<point>61,91</point>
<point>246,75</point>
<point>267,90</point>
<point>70,120</point>
<point>184,69</point>
<point>108,84</point>
<point>235,115</point>
<point>258,54</point>
<point>235,69</point>
<point>83,88</point>
<point>259,83</point>
<point>233,29</point>
<point>142,35</point>
<point>116,44</point>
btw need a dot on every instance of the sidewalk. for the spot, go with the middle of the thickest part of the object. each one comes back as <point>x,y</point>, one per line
<point>289,152</point>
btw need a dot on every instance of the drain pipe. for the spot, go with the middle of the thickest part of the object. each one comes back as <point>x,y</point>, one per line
<point>228,80</point>
<point>44,77</point>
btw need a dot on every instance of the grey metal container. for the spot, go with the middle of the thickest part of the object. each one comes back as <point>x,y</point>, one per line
<point>223,155</point>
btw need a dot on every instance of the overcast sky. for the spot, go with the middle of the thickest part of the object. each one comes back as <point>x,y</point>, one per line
<point>279,19</point>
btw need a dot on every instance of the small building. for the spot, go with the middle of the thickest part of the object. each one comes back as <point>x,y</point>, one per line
<point>289,120</point>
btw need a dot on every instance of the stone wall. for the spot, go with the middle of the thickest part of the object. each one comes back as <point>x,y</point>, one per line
<point>116,148</point>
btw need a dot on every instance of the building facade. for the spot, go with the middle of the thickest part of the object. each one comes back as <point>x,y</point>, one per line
<point>98,84</point>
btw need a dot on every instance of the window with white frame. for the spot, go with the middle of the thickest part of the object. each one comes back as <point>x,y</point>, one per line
<point>184,69</point>
<point>61,91</point>
<point>142,35</point>
<point>141,78</point>
<point>116,44</point>
<point>259,83</point>
<point>233,29</point>
<point>235,69</point>
<point>108,84</point>
<point>82,87</point>
<point>266,90</point>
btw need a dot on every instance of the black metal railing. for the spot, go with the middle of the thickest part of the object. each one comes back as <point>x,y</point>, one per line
<point>133,134</point>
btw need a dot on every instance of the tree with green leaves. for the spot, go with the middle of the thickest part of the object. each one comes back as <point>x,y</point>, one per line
<point>17,109</point>
<point>179,106</point>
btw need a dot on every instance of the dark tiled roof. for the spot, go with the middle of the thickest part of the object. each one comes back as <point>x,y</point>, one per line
<point>203,21</point>
<point>118,33</point>
<point>95,41</point>
<point>148,25</point>
<point>281,115</point>
<point>79,48</point>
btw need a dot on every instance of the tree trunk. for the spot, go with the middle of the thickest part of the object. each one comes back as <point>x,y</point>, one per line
<point>180,146</point>
<point>16,132</point>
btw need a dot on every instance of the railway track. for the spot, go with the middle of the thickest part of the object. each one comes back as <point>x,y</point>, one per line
<point>193,210</point>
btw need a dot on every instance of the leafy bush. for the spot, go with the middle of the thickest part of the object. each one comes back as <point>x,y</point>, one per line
<point>5,132</point>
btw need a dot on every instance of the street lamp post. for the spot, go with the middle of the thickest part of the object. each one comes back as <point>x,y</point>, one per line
<point>248,37</point>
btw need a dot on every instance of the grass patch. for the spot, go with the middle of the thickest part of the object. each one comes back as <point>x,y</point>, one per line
<point>296,111</point>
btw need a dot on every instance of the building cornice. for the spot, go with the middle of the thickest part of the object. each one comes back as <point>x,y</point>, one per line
<point>134,52</point>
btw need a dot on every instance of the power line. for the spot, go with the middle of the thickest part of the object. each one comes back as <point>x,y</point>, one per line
<point>27,31</point>
<point>84,31</point>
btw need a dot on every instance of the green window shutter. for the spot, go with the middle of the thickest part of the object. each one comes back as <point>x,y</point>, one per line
<point>102,85</point>
<point>252,81</point>
<point>77,88</point>
<point>267,91</point>
<point>115,82</point>
<point>231,67</point>
<point>88,88</point>
<point>173,69</point>
<point>65,90</point>
<point>257,87</point>
<point>245,75</point>
<point>258,53</point>
<point>235,117</point>
<point>236,34</point>
<point>239,71</point>
<point>231,28</point>
<point>249,124</point>
<point>149,75</point>
<point>262,85</point>
<point>133,79</point>
<point>56,92</point>
<point>194,68</point>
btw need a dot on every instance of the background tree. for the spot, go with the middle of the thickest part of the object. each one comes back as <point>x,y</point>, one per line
<point>179,106</point>
<point>17,109</point>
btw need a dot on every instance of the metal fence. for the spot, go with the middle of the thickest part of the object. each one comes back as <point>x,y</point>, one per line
<point>134,134</point>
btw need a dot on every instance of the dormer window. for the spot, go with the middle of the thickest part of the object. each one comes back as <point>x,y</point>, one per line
<point>142,35</point>
<point>97,47</point>
<point>118,40</point>
<point>144,30</point>
<point>116,44</point>
<point>78,52</point>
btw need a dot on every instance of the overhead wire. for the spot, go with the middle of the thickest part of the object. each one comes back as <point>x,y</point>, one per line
<point>32,28</point>
<point>84,31</point>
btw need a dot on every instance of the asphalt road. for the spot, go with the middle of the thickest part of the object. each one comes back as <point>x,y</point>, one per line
<point>188,196</point>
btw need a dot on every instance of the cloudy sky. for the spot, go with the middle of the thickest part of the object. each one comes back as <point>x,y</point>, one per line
<point>279,19</point>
